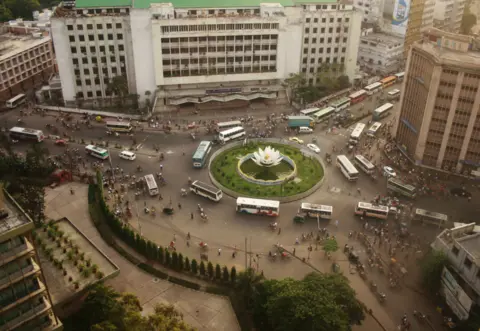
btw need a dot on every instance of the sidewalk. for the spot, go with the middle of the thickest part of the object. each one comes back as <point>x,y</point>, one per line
<point>204,311</point>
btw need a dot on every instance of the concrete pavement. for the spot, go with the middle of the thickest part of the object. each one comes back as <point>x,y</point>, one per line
<point>206,312</point>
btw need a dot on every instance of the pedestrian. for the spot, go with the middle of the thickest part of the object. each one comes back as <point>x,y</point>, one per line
<point>174,237</point>
<point>219,251</point>
<point>191,216</point>
<point>279,230</point>
<point>188,235</point>
<point>72,192</point>
<point>336,223</point>
<point>161,167</point>
<point>293,252</point>
<point>179,205</point>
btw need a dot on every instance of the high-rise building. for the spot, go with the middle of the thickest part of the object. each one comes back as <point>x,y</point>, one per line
<point>24,299</point>
<point>414,25</point>
<point>372,10</point>
<point>448,15</point>
<point>439,123</point>
<point>428,14</point>
<point>188,52</point>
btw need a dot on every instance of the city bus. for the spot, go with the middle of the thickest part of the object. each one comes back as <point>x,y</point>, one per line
<point>364,164</point>
<point>347,168</point>
<point>356,133</point>
<point>341,104</point>
<point>396,185</point>
<point>222,126</point>
<point>16,101</point>
<point>430,217</point>
<point>358,96</point>
<point>373,88</point>
<point>230,134</point>
<point>394,94</point>
<point>366,209</point>
<point>323,114</point>
<point>382,111</point>
<point>309,111</point>
<point>316,211</point>
<point>151,184</point>
<point>206,190</point>
<point>119,126</point>
<point>27,134</point>
<point>258,206</point>
<point>388,81</point>
<point>97,152</point>
<point>400,76</point>
<point>201,154</point>
<point>372,131</point>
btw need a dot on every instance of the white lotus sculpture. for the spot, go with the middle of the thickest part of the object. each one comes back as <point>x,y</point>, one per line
<point>267,157</point>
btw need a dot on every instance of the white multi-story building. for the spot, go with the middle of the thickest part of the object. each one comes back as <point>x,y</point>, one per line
<point>380,53</point>
<point>372,10</point>
<point>428,14</point>
<point>448,15</point>
<point>198,52</point>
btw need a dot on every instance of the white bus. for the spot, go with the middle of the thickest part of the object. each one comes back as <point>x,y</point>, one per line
<point>323,114</point>
<point>430,217</point>
<point>341,104</point>
<point>382,111</point>
<point>396,185</point>
<point>222,126</point>
<point>366,209</point>
<point>151,184</point>
<point>119,126</point>
<point>258,206</point>
<point>205,190</point>
<point>400,76</point>
<point>347,168</point>
<point>356,133</point>
<point>309,111</point>
<point>96,152</point>
<point>16,101</point>
<point>372,131</point>
<point>230,134</point>
<point>24,133</point>
<point>373,88</point>
<point>366,166</point>
<point>316,211</point>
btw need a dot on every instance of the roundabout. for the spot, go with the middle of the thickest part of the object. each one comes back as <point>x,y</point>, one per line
<point>266,169</point>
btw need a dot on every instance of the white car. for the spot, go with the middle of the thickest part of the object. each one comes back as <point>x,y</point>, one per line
<point>127,155</point>
<point>314,148</point>
<point>300,141</point>
<point>389,172</point>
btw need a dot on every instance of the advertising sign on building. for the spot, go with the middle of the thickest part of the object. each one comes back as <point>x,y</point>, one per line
<point>456,298</point>
<point>400,16</point>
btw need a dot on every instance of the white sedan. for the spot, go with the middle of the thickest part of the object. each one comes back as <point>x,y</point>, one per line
<point>295,139</point>
<point>314,148</point>
<point>389,172</point>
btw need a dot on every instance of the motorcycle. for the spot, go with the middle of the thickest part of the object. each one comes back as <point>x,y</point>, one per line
<point>139,169</point>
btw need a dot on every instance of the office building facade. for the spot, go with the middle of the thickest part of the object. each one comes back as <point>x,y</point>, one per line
<point>448,15</point>
<point>439,124</point>
<point>380,54</point>
<point>196,53</point>
<point>24,299</point>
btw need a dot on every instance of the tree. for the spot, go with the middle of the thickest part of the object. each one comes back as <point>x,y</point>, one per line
<point>225,275</point>
<point>468,20</point>
<point>202,268</point>
<point>194,267</point>
<point>246,285</point>
<point>233,274</point>
<point>21,8</point>
<point>218,272</point>
<point>5,14</point>
<point>187,265</point>
<point>330,245</point>
<point>431,270</point>
<point>320,302</point>
<point>180,262</point>
<point>210,269</point>
<point>168,258</point>
<point>118,86</point>
<point>174,262</point>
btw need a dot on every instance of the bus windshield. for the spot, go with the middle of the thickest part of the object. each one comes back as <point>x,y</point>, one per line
<point>201,154</point>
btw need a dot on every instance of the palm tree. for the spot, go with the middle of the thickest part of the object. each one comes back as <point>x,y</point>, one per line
<point>38,153</point>
<point>246,284</point>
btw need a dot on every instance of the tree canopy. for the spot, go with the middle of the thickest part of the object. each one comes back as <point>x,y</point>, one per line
<point>104,309</point>
<point>431,268</point>
<point>319,302</point>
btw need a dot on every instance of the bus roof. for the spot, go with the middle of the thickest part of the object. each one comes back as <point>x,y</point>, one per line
<point>357,94</point>
<point>300,117</point>
<point>15,98</point>
<point>375,126</point>
<point>229,123</point>
<point>400,74</point>
<point>423,212</point>
<point>371,86</point>
<point>357,131</point>
<point>150,180</point>
<point>372,206</point>
<point>235,129</point>
<point>206,186</point>
<point>266,203</point>
<point>310,110</point>
<point>383,108</point>
<point>324,111</point>
<point>365,161</point>
<point>348,165</point>
<point>25,130</point>
<point>306,205</point>
<point>388,79</point>
<point>341,100</point>
<point>201,149</point>
<point>118,123</point>
<point>400,182</point>
<point>96,148</point>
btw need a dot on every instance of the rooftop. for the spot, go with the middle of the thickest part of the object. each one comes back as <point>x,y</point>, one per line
<point>384,39</point>
<point>471,244</point>
<point>16,222</point>
<point>12,44</point>
<point>445,56</point>
<point>141,4</point>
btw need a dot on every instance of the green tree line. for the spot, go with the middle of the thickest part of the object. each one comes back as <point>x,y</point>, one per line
<point>13,9</point>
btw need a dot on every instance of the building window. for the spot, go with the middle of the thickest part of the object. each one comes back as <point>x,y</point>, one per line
<point>100,37</point>
<point>86,72</point>
<point>121,48</point>
<point>71,38</point>
<point>330,30</point>
<point>110,36</point>
<point>99,26</point>
<point>307,20</point>
<point>79,82</point>
<point>324,20</point>
<point>81,37</point>
<point>70,27</point>
<point>89,26</point>
<point>89,94</point>
<point>345,30</point>
<point>75,61</point>
<point>315,20</point>
<point>347,19</point>
<point>467,263</point>
<point>92,49</point>
<point>99,93</point>
<point>118,25</point>
<point>109,25</point>
<point>91,37</point>
<point>73,50</point>
<point>331,20</point>
<point>344,49</point>
<point>79,27</point>
<point>315,30</point>
<point>307,30</point>
<point>119,36</point>
<point>455,250</point>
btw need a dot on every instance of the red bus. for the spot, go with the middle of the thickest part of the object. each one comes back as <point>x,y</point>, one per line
<point>358,96</point>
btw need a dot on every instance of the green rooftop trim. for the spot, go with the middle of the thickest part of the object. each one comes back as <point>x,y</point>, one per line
<point>144,4</point>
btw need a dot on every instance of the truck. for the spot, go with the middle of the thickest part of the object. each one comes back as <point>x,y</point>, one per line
<point>299,121</point>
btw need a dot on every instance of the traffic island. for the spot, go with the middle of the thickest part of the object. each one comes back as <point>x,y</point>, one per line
<point>266,168</point>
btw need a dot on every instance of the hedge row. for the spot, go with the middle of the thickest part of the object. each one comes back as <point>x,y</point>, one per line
<point>107,222</point>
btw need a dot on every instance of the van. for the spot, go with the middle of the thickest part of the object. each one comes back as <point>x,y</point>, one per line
<point>304,129</point>
<point>127,155</point>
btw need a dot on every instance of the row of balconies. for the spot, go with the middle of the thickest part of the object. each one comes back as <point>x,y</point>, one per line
<point>38,308</point>
<point>19,275</point>
<point>217,65</point>
<point>33,292</point>
<point>16,252</point>
<point>220,43</point>
<point>207,55</point>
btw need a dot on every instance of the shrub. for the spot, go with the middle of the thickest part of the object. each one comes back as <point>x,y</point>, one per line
<point>160,254</point>
<point>194,267</point>
<point>174,262</point>
<point>187,265</point>
<point>210,269</point>
<point>233,274</point>
<point>218,272</point>
<point>184,282</point>
<point>168,258</point>
<point>180,262</point>
<point>225,274</point>
<point>99,275</point>
<point>202,268</point>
